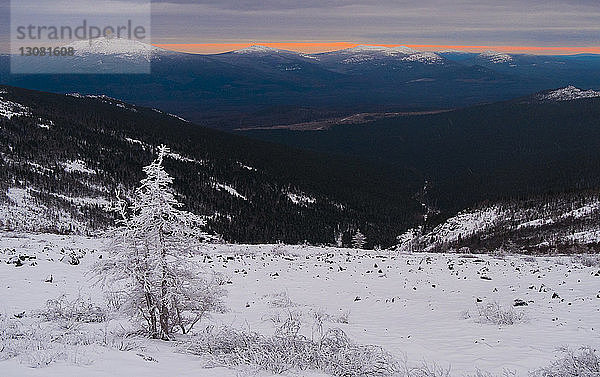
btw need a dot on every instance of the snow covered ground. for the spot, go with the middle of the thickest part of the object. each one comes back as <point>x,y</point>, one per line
<point>417,306</point>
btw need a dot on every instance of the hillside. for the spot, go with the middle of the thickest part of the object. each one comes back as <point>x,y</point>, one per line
<point>557,224</point>
<point>63,158</point>
<point>518,149</point>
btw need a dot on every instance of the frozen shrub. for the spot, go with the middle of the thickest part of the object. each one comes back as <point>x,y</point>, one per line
<point>122,340</point>
<point>320,317</point>
<point>426,370</point>
<point>332,353</point>
<point>343,318</point>
<point>280,300</point>
<point>72,256</point>
<point>587,260</point>
<point>505,373</point>
<point>41,358</point>
<point>582,363</point>
<point>41,344</point>
<point>493,313</point>
<point>78,310</point>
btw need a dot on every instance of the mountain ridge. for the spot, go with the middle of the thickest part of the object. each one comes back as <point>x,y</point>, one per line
<point>236,90</point>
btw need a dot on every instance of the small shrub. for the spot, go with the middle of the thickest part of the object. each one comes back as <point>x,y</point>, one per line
<point>39,344</point>
<point>505,373</point>
<point>343,318</point>
<point>320,317</point>
<point>122,341</point>
<point>493,313</point>
<point>427,370</point>
<point>280,300</point>
<point>582,363</point>
<point>78,310</point>
<point>588,260</point>
<point>333,353</point>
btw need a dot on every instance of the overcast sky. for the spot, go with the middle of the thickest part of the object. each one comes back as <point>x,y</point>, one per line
<point>566,23</point>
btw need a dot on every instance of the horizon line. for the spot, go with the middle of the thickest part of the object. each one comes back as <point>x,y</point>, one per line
<point>315,47</point>
<point>318,47</point>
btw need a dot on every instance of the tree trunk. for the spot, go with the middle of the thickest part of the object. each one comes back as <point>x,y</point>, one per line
<point>164,292</point>
<point>153,325</point>
<point>164,312</point>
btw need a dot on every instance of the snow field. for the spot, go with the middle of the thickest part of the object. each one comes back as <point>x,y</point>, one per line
<point>417,306</point>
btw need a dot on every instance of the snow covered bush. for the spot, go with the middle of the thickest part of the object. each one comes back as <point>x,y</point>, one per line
<point>425,370</point>
<point>332,353</point>
<point>588,260</point>
<point>582,363</point>
<point>148,259</point>
<point>493,313</point>
<point>77,310</point>
<point>196,295</point>
<point>481,373</point>
<point>39,344</point>
<point>280,300</point>
<point>320,317</point>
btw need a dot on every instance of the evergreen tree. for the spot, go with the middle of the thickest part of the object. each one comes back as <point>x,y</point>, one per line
<point>149,256</point>
<point>358,240</point>
<point>339,238</point>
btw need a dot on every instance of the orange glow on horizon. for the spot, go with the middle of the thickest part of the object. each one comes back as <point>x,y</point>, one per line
<point>316,47</point>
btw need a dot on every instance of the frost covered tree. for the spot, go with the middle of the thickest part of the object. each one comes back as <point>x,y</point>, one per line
<point>358,240</point>
<point>339,238</point>
<point>148,261</point>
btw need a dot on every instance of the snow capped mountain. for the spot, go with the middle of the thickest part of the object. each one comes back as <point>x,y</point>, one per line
<point>568,94</point>
<point>424,57</point>
<point>258,49</point>
<point>377,54</point>
<point>452,51</point>
<point>389,51</point>
<point>496,57</point>
<point>115,46</point>
<point>99,55</point>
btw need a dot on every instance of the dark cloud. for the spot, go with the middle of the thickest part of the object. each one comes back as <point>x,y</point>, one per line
<point>529,22</point>
<point>267,5</point>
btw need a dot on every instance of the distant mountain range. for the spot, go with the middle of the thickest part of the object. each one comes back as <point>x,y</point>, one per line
<point>262,86</point>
